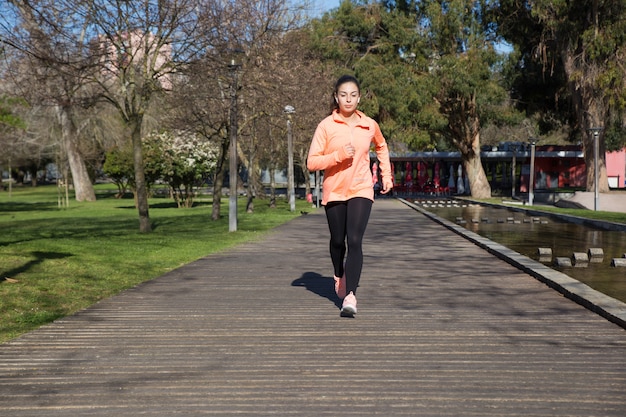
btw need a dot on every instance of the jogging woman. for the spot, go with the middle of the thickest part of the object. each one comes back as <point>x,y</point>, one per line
<point>341,148</point>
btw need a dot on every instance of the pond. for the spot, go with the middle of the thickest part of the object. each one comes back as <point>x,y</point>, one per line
<point>526,233</point>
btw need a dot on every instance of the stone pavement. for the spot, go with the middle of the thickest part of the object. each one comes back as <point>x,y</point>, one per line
<point>445,328</point>
<point>611,201</point>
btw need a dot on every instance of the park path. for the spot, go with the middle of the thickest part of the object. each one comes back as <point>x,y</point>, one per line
<point>444,329</point>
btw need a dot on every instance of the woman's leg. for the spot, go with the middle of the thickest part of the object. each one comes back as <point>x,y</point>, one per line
<point>358,214</point>
<point>336,216</point>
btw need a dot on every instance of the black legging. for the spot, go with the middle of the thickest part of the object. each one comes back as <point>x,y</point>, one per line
<point>347,221</point>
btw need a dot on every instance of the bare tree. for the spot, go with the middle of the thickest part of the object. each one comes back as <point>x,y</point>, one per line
<point>140,45</point>
<point>136,51</point>
<point>283,72</point>
<point>50,71</point>
<point>245,31</point>
<point>124,52</point>
<point>305,83</point>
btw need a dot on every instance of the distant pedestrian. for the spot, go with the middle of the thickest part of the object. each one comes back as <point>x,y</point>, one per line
<point>340,147</point>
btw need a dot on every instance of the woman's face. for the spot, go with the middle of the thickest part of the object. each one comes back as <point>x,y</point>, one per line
<point>348,97</point>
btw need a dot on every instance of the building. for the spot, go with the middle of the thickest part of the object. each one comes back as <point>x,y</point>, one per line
<point>507,167</point>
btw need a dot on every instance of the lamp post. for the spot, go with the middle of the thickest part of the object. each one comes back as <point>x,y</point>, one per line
<point>531,189</point>
<point>289,110</point>
<point>595,131</point>
<point>232,202</point>
<point>317,189</point>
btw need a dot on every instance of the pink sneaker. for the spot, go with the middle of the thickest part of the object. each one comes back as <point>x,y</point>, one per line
<point>340,286</point>
<point>348,309</point>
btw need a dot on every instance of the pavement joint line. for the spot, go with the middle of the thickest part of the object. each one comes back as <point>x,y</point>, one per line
<point>607,307</point>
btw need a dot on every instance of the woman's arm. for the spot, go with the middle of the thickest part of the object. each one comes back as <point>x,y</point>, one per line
<point>320,158</point>
<point>382,154</point>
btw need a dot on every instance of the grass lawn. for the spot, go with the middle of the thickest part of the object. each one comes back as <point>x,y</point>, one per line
<point>609,216</point>
<point>55,261</point>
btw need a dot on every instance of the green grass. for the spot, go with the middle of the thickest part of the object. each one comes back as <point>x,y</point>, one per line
<point>55,261</point>
<point>588,214</point>
<point>584,213</point>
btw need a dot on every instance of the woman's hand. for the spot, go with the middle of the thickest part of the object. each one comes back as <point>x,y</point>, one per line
<point>349,150</point>
<point>345,153</point>
<point>387,186</point>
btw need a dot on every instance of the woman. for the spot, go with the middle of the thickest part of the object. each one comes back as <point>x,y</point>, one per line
<point>341,146</point>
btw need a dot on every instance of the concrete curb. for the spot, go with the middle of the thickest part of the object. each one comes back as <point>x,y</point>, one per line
<point>607,307</point>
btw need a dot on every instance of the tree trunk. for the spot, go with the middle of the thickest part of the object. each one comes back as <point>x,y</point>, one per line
<point>464,124</point>
<point>307,174</point>
<point>83,188</point>
<point>217,194</point>
<point>272,172</point>
<point>253,184</point>
<point>478,182</point>
<point>589,151</point>
<point>140,179</point>
<point>593,117</point>
<point>591,112</point>
<point>251,180</point>
<point>218,184</point>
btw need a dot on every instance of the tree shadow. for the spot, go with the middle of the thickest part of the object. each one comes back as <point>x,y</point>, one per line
<point>167,205</point>
<point>39,258</point>
<point>12,206</point>
<point>322,286</point>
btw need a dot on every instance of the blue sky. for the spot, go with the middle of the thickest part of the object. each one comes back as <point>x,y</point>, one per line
<point>326,5</point>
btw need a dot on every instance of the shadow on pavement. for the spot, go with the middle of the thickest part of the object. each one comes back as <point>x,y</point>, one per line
<point>322,286</point>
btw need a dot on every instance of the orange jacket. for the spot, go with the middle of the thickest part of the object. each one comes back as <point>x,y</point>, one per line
<point>345,177</point>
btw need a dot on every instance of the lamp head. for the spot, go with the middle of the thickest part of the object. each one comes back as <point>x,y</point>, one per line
<point>595,131</point>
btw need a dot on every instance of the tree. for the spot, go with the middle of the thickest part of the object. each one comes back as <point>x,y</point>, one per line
<point>118,166</point>
<point>8,118</point>
<point>249,33</point>
<point>302,81</point>
<point>51,70</point>
<point>138,50</point>
<point>124,52</point>
<point>584,42</point>
<point>378,46</point>
<point>429,70</point>
<point>10,123</point>
<point>464,70</point>
<point>183,161</point>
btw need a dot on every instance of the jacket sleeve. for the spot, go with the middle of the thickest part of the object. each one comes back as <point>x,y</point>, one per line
<point>319,158</point>
<point>382,154</point>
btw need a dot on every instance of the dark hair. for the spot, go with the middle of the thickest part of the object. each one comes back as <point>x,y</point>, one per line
<point>341,81</point>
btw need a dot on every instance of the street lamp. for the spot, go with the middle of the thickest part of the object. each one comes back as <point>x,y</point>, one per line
<point>595,131</point>
<point>289,110</point>
<point>531,189</point>
<point>233,66</point>
<point>317,189</point>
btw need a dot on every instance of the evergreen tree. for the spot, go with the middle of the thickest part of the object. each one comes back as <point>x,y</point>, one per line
<point>583,42</point>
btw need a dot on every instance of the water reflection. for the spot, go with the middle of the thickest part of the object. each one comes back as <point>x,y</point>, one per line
<point>526,234</point>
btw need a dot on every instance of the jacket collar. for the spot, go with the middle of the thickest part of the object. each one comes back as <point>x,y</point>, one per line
<point>337,118</point>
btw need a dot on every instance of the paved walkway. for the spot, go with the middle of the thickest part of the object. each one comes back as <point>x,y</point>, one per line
<point>444,329</point>
<point>611,201</point>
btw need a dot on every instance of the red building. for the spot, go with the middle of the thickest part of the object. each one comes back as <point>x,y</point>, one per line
<point>564,166</point>
<point>506,166</point>
<point>616,168</point>
<point>556,167</point>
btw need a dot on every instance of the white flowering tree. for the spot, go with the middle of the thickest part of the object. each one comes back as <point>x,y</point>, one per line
<point>185,161</point>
